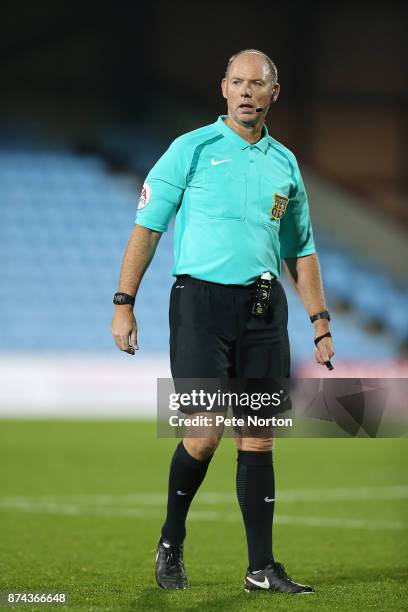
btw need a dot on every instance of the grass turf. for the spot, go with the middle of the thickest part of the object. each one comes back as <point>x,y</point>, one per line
<point>81,506</point>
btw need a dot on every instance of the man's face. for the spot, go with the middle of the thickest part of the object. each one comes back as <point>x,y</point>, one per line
<point>248,86</point>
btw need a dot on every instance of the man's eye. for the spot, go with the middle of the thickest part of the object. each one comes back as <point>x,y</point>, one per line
<point>235,82</point>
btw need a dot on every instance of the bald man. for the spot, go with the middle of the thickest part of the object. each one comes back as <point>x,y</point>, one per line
<point>241,207</point>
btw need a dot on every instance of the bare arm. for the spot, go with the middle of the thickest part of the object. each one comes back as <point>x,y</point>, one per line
<point>138,255</point>
<point>304,273</point>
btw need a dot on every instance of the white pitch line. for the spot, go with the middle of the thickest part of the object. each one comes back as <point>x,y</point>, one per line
<point>211,498</point>
<point>134,505</point>
<point>203,516</point>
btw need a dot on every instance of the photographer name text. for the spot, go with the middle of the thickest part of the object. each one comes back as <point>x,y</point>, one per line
<point>217,420</point>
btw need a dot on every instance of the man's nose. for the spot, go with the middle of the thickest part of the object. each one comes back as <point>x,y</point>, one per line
<point>247,92</point>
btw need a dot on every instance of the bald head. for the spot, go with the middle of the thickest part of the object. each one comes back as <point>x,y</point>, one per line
<point>253,57</point>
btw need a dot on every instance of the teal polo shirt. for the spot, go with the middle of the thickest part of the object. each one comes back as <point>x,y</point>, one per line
<point>239,207</point>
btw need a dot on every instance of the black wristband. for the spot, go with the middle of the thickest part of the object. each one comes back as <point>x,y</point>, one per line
<point>123,298</point>
<point>320,315</point>
<point>317,340</point>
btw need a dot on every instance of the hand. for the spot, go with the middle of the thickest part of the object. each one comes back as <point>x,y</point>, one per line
<point>324,350</point>
<point>124,329</point>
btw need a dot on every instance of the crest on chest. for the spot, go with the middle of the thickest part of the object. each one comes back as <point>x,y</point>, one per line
<point>280,203</point>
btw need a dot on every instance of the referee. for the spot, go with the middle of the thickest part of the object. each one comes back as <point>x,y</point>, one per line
<point>241,207</point>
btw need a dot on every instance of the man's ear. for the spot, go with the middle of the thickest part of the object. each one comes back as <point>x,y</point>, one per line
<point>275,94</point>
<point>224,87</point>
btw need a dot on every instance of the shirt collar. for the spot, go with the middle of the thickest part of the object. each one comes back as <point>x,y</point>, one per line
<point>229,133</point>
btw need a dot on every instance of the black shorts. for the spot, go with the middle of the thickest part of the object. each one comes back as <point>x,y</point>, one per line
<point>213,333</point>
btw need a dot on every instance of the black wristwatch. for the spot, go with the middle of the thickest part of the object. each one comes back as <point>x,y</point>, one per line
<point>123,298</point>
<point>320,315</point>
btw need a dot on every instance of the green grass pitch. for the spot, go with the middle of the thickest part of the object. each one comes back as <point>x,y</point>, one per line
<point>81,505</point>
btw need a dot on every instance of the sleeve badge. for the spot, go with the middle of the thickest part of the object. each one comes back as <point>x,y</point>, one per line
<point>144,196</point>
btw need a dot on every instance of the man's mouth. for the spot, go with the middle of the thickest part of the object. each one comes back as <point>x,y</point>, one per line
<point>246,107</point>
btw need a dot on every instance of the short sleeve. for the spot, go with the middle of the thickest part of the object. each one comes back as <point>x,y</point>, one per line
<point>295,233</point>
<point>163,188</point>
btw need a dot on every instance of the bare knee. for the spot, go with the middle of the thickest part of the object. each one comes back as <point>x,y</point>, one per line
<point>201,448</point>
<point>255,444</point>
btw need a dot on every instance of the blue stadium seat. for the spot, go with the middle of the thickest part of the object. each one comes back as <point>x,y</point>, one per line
<point>65,224</point>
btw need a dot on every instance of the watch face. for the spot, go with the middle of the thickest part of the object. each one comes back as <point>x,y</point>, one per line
<point>119,298</point>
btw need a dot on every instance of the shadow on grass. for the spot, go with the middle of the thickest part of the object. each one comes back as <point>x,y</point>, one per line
<point>213,597</point>
<point>205,597</point>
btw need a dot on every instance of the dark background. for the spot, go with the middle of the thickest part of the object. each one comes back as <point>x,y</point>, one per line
<point>68,68</point>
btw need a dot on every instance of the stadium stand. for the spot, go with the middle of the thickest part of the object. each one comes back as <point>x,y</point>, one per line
<point>65,222</point>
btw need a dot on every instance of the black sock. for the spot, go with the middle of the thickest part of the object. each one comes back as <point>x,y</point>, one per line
<point>186,475</point>
<point>255,486</point>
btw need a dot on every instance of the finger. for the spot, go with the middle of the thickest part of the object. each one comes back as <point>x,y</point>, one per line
<point>116,338</point>
<point>124,343</point>
<point>325,349</point>
<point>329,348</point>
<point>323,354</point>
<point>318,358</point>
<point>133,339</point>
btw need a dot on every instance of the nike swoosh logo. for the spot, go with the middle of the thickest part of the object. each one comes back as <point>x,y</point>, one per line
<point>215,162</point>
<point>181,493</point>
<point>269,499</point>
<point>261,585</point>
